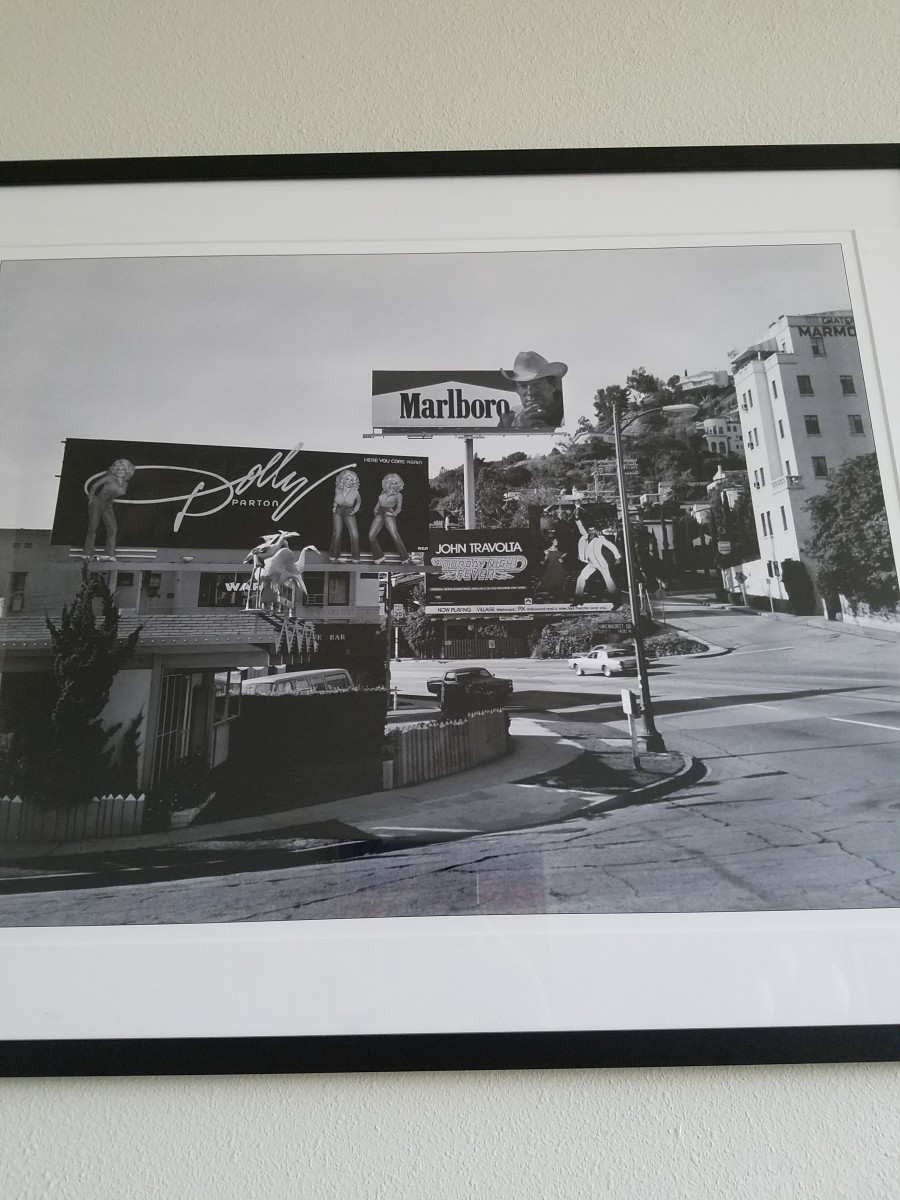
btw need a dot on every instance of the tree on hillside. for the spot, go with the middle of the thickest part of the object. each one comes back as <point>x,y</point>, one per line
<point>641,381</point>
<point>608,398</point>
<point>851,540</point>
<point>734,523</point>
<point>87,656</point>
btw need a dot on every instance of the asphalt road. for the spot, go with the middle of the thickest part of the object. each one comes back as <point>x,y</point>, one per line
<point>793,711</point>
<point>799,727</point>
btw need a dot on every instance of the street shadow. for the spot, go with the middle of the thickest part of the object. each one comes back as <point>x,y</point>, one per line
<point>243,793</point>
<point>539,701</point>
<point>607,772</point>
<point>741,698</point>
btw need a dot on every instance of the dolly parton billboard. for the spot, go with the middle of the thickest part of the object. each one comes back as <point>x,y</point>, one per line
<point>163,494</point>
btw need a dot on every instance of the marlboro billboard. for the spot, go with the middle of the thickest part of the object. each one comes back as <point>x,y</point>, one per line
<point>525,399</point>
<point>162,494</point>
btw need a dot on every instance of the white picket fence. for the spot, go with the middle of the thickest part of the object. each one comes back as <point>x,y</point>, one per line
<point>438,748</point>
<point>103,817</point>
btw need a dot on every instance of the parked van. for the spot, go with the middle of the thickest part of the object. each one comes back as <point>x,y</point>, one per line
<point>299,683</point>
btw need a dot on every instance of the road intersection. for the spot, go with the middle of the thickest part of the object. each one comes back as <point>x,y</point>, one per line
<point>798,727</point>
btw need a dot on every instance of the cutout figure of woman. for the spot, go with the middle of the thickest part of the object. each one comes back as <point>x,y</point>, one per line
<point>343,514</point>
<point>553,579</point>
<point>387,510</point>
<point>102,495</point>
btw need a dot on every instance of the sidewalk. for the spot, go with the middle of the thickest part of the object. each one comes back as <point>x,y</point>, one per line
<point>879,635</point>
<point>544,779</point>
<point>814,622</point>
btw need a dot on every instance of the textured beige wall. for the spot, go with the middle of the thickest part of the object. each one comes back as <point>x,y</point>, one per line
<point>94,78</point>
<point>81,78</point>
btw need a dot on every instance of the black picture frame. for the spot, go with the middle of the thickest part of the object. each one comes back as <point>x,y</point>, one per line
<point>57,1055</point>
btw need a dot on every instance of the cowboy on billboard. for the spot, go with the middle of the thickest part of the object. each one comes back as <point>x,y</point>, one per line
<point>539,385</point>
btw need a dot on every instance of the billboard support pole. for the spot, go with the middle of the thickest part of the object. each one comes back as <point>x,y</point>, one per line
<point>469,484</point>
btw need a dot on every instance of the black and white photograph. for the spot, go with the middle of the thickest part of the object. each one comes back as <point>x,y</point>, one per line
<point>301,623</point>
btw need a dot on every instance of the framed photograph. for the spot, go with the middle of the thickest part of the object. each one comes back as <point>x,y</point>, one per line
<point>449,612</point>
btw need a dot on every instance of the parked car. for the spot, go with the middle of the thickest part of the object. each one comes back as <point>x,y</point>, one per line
<point>299,683</point>
<point>470,679</point>
<point>605,660</point>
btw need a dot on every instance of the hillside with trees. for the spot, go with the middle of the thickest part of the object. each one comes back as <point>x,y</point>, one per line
<point>661,431</point>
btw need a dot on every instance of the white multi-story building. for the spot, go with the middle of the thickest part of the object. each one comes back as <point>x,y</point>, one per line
<point>702,381</point>
<point>803,412</point>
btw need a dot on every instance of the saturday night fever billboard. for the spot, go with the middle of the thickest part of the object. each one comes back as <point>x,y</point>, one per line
<point>525,399</point>
<point>482,566</point>
<point>166,494</point>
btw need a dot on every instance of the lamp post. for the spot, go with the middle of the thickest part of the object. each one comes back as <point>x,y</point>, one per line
<point>647,736</point>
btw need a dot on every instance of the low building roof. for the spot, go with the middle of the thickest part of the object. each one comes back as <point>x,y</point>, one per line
<point>28,631</point>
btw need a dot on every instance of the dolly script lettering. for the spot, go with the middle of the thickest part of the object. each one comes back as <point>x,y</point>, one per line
<point>205,498</point>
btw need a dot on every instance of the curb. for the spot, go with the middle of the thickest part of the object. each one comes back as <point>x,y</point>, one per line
<point>711,651</point>
<point>692,772</point>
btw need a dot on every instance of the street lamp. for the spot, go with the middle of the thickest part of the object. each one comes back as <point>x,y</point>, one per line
<point>647,736</point>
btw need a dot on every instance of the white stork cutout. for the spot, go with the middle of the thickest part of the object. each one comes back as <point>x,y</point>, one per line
<point>273,562</point>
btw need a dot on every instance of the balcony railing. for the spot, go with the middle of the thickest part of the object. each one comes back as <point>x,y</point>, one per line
<point>786,482</point>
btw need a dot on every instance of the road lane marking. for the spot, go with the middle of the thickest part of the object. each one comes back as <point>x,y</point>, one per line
<point>773,707</point>
<point>768,650</point>
<point>417,829</point>
<point>869,724</point>
<point>582,707</point>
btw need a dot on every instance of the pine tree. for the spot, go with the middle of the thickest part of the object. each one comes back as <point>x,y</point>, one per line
<point>87,655</point>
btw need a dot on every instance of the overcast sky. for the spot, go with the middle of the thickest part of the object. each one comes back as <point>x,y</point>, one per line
<point>270,351</point>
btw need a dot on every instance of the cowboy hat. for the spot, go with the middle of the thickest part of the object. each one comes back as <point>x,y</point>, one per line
<point>530,365</point>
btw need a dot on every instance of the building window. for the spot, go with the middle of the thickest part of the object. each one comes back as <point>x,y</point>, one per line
<point>812,426</point>
<point>818,347</point>
<point>227,703</point>
<point>848,387</point>
<point>781,429</point>
<point>787,466</point>
<point>338,589</point>
<point>762,521</point>
<point>17,590</point>
<point>856,424</point>
<point>804,385</point>
<point>762,476</point>
<point>769,519</point>
<point>784,523</point>
<point>216,590</point>
<point>315,589</point>
<point>820,468</point>
<point>756,477</point>
<point>774,390</point>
